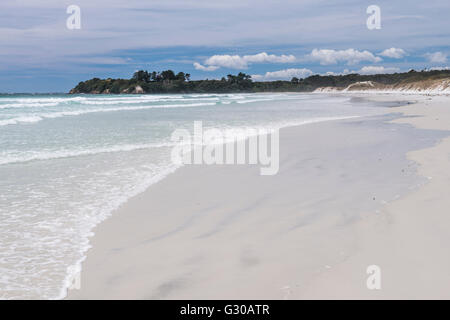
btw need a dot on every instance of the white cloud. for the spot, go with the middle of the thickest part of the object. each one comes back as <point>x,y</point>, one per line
<point>242,62</point>
<point>350,56</point>
<point>438,68</point>
<point>227,61</point>
<point>283,74</point>
<point>288,74</point>
<point>395,53</point>
<point>437,57</point>
<point>377,70</point>
<point>332,73</point>
<point>264,57</point>
<point>198,66</point>
<point>365,70</point>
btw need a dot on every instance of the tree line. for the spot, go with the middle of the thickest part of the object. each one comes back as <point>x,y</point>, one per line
<point>168,81</point>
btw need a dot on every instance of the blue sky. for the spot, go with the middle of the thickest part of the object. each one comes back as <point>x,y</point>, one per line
<point>209,39</point>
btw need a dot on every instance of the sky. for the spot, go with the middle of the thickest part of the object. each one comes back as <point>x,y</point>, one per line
<point>268,39</point>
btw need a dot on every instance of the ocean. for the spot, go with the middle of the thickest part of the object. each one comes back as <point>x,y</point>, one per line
<point>68,161</point>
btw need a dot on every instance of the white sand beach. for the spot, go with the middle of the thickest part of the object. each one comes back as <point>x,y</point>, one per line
<point>410,236</point>
<point>349,194</point>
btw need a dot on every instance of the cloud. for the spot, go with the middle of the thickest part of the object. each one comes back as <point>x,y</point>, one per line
<point>332,73</point>
<point>200,67</point>
<point>242,62</point>
<point>365,70</point>
<point>288,74</point>
<point>271,58</point>
<point>350,56</point>
<point>436,57</point>
<point>34,34</point>
<point>395,53</point>
<point>227,61</point>
<point>438,68</point>
<point>377,70</point>
<point>283,74</point>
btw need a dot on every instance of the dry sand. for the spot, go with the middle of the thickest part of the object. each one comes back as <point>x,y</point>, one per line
<point>226,232</point>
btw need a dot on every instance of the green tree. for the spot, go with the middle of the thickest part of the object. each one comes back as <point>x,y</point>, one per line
<point>180,76</point>
<point>141,76</point>
<point>168,75</point>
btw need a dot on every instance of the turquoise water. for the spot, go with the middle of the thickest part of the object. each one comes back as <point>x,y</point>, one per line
<point>67,161</point>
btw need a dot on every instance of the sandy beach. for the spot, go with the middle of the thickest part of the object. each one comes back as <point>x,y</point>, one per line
<point>224,151</point>
<point>410,236</point>
<point>349,194</point>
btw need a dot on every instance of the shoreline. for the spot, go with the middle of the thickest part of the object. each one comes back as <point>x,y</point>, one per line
<point>417,262</point>
<point>109,278</point>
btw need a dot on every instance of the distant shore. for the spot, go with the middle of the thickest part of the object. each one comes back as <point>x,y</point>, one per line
<point>351,198</point>
<point>144,82</point>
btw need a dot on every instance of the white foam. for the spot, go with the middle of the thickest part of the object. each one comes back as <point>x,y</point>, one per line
<point>6,103</point>
<point>52,115</point>
<point>136,101</point>
<point>75,269</point>
<point>18,120</point>
<point>13,157</point>
<point>28,105</point>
